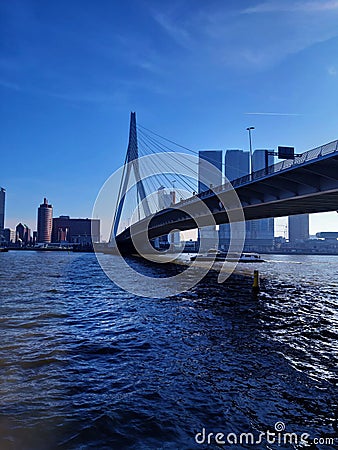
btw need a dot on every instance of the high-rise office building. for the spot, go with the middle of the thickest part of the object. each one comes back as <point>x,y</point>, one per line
<point>236,164</point>
<point>209,175</point>
<point>259,233</point>
<point>165,200</point>
<point>258,160</point>
<point>75,231</point>
<point>262,231</point>
<point>22,234</point>
<point>19,232</point>
<point>9,236</point>
<point>45,222</point>
<point>298,228</point>
<point>209,169</point>
<point>2,208</point>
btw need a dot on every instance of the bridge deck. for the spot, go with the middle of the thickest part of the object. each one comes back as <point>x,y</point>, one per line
<point>309,184</point>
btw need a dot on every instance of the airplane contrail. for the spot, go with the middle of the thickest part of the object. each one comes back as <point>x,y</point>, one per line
<point>271,114</point>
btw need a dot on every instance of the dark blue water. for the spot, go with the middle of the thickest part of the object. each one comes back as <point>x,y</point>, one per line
<point>84,365</point>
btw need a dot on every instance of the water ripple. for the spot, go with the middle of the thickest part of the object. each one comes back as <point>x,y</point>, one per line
<point>84,365</point>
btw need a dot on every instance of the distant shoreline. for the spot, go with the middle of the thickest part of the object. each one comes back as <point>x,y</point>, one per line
<point>276,252</point>
<point>301,252</point>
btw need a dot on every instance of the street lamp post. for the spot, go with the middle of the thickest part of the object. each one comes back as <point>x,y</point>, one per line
<point>250,143</point>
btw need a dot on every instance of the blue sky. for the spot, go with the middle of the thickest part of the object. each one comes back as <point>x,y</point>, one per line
<point>195,71</point>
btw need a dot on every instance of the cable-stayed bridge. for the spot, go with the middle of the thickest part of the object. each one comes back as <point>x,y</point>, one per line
<point>307,184</point>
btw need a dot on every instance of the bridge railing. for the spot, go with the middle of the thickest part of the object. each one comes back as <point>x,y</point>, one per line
<point>310,155</point>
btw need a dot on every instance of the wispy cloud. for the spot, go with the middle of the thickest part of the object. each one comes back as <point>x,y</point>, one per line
<point>178,31</point>
<point>287,6</point>
<point>118,95</point>
<point>232,38</point>
<point>50,58</point>
<point>332,71</point>
<point>89,97</point>
<point>9,85</point>
<point>80,97</point>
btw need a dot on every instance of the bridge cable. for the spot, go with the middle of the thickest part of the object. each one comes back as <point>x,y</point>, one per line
<point>165,169</point>
<point>158,145</point>
<point>196,152</point>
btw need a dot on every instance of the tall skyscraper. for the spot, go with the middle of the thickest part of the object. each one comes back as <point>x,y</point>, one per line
<point>9,236</point>
<point>236,166</point>
<point>259,233</point>
<point>2,208</point>
<point>262,230</point>
<point>165,199</point>
<point>298,228</point>
<point>209,175</point>
<point>45,222</point>
<point>209,169</point>
<point>22,234</point>
<point>258,160</point>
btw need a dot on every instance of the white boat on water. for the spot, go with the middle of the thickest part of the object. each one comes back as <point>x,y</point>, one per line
<point>218,255</point>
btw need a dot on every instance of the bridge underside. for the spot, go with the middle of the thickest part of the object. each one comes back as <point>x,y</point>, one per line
<point>304,189</point>
<point>308,188</point>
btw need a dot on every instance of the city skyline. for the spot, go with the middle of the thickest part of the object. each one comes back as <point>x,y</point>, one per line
<point>236,169</point>
<point>49,229</point>
<point>195,72</point>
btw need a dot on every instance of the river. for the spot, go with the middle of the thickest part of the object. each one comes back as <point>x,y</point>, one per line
<point>85,365</point>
